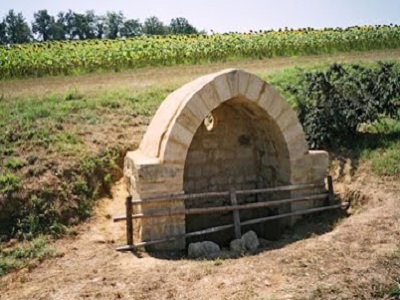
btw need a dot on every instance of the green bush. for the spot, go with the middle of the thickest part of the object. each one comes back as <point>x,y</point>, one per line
<point>334,103</point>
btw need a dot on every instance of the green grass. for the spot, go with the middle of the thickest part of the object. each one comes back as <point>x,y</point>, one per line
<point>26,254</point>
<point>9,183</point>
<point>54,139</point>
<point>14,163</point>
<point>51,137</point>
<point>386,163</point>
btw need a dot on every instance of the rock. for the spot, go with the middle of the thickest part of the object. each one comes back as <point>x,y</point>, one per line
<point>250,240</point>
<point>203,249</point>
<point>237,246</point>
<point>265,243</point>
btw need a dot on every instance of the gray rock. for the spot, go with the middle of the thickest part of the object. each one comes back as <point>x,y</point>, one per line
<point>203,249</point>
<point>250,240</point>
<point>237,246</point>
<point>265,243</point>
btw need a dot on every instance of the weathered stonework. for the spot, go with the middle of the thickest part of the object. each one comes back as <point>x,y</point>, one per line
<point>256,141</point>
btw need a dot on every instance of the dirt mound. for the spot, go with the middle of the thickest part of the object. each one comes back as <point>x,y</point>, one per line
<point>354,260</point>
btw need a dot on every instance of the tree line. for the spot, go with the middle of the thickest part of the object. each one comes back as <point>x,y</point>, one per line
<point>14,29</point>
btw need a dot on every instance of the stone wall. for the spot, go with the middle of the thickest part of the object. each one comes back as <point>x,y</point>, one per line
<point>258,141</point>
<point>242,151</point>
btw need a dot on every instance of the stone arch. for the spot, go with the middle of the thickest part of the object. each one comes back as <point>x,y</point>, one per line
<point>157,167</point>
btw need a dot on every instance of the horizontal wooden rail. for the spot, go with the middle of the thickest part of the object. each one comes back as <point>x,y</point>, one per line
<point>192,211</point>
<point>229,226</point>
<point>173,197</point>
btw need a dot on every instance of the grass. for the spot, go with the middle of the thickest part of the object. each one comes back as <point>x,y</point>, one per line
<point>9,183</point>
<point>68,151</point>
<point>69,136</point>
<point>61,150</point>
<point>26,254</point>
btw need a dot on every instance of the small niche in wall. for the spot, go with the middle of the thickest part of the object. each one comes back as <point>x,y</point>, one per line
<point>210,122</point>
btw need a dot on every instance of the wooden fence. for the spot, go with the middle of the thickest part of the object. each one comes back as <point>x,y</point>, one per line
<point>328,196</point>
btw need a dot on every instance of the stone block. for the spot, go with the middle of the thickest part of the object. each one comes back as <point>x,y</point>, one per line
<point>209,96</point>
<point>319,161</point>
<point>210,170</point>
<point>189,120</point>
<point>243,82</point>
<point>196,157</point>
<point>174,153</point>
<point>254,89</point>
<point>268,97</point>
<point>197,107</point>
<point>297,149</point>
<point>233,81</point>
<point>159,173</point>
<point>163,117</point>
<point>180,135</point>
<point>157,188</point>
<point>209,143</point>
<point>193,172</point>
<point>245,153</point>
<point>201,185</point>
<point>223,89</point>
<point>287,120</point>
<point>294,132</point>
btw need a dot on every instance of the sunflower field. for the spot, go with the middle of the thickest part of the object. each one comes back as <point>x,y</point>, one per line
<point>73,57</point>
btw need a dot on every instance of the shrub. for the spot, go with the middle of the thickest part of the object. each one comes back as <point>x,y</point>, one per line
<point>332,104</point>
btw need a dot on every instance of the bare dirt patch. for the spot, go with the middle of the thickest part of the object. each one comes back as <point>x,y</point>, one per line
<point>350,262</point>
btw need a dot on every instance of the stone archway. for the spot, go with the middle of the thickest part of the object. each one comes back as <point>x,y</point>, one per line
<point>268,124</point>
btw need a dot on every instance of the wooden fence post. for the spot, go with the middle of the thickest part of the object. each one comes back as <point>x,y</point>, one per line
<point>331,195</point>
<point>236,216</point>
<point>129,221</point>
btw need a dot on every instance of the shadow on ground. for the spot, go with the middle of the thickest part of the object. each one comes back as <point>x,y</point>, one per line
<point>307,227</point>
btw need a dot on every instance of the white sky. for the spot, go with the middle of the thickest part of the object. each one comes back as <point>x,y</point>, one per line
<point>230,15</point>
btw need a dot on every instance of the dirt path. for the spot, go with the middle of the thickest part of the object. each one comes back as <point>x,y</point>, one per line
<point>341,264</point>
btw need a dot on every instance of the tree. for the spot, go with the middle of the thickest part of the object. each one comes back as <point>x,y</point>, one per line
<point>57,31</point>
<point>82,25</point>
<point>59,28</point>
<point>153,26</point>
<point>3,35</point>
<point>17,30</point>
<point>65,22</point>
<point>131,28</point>
<point>100,27</point>
<point>43,24</point>
<point>114,24</point>
<point>181,26</point>
<point>89,25</point>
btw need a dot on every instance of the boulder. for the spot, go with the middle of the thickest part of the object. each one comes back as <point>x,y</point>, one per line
<point>203,249</point>
<point>237,246</point>
<point>250,240</point>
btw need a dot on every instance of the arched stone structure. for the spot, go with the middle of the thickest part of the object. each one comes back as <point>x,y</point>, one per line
<point>158,166</point>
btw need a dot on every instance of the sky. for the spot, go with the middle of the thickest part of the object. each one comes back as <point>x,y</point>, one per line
<point>229,15</point>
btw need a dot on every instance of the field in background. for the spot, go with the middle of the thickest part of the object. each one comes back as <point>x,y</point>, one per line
<point>74,57</point>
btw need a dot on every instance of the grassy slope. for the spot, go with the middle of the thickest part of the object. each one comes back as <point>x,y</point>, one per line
<point>59,150</point>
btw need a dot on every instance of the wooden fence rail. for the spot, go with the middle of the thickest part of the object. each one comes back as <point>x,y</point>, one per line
<point>234,207</point>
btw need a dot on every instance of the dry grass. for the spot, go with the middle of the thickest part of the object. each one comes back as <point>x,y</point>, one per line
<point>358,259</point>
<point>141,79</point>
